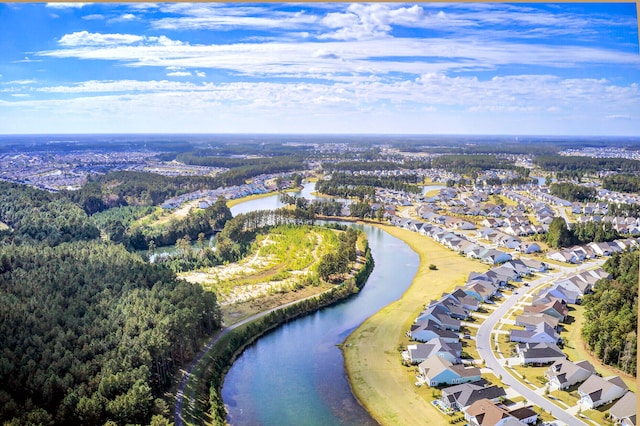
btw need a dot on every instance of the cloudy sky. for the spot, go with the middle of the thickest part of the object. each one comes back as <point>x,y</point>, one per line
<point>426,68</point>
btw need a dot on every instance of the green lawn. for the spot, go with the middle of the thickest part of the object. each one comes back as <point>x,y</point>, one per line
<point>534,375</point>
<point>505,345</point>
<point>568,398</point>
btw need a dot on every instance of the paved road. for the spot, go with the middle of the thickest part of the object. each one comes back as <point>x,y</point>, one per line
<point>484,346</point>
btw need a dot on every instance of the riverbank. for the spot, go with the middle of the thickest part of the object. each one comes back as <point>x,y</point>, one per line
<point>379,381</point>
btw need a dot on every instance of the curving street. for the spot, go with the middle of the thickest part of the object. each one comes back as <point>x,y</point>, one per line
<point>484,345</point>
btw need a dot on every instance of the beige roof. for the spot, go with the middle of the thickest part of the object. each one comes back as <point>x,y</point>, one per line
<point>486,412</point>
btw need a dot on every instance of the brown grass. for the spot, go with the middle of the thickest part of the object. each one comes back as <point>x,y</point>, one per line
<point>373,365</point>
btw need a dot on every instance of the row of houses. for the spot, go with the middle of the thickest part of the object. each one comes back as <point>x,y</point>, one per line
<point>617,197</point>
<point>593,389</point>
<point>511,241</point>
<point>580,253</point>
<point>453,241</point>
<point>209,197</point>
<point>624,225</point>
<point>599,208</point>
<point>541,319</point>
<point>537,344</point>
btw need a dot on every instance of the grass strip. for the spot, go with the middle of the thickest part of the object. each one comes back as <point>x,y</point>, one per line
<point>377,377</point>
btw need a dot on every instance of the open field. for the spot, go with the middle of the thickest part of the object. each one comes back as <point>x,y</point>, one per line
<point>279,262</point>
<point>376,374</point>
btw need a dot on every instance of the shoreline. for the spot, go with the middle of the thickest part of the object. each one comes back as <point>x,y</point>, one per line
<point>371,356</point>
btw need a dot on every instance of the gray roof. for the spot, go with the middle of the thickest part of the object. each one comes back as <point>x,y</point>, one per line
<point>540,350</point>
<point>470,394</point>
<point>625,407</point>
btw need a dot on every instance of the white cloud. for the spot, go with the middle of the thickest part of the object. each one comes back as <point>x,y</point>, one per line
<point>224,17</point>
<point>26,60</point>
<point>179,74</point>
<point>93,17</point>
<point>85,38</point>
<point>126,17</point>
<point>201,74</point>
<point>67,5</point>
<point>24,82</point>
<point>357,57</point>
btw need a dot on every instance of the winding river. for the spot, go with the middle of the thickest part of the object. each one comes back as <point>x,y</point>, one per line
<point>295,374</point>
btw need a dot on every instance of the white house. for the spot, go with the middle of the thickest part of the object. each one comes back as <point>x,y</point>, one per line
<point>597,391</point>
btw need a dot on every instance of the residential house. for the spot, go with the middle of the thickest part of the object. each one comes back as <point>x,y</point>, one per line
<point>485,412</point>
<point>440,315</point>
<point>624,411</point>
<point>429,329</point>
<point>438,371</point>
<point>454,308</point>
<point>597,391</point>
<point>436,347</point>
<point>541,332</point>
<point>459,397</point>
<point>563,256</point>
<point>554,308</point>
<point>525,415</point>
<point>534,265</point>
<point>563,374</point>
<point>558,292</point>
<point>480,290</point>
<point>528,247</point>
<point>533,319</point>
<point>466,301</point>
<point>539,353</point>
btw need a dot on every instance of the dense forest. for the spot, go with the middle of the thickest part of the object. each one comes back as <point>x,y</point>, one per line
<point>361,165</point>
<point>35,215</point>
<point>559,234</point>
<point>473,164</point>
<point>115,189</point>
<point>197,221</point>
<point>562,163</point>
<point>571,192</point>
<point>346,185</point>
<point>622,183</point>
<point>91,333</point>
<point>242,169</point>
<point>611,314</point>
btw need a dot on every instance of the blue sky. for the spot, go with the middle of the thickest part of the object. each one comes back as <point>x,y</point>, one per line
<point>425,68</point>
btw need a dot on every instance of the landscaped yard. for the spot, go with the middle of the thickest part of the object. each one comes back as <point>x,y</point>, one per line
<point>534,375</point>
<point>505,345</point>
<point>569,398</point>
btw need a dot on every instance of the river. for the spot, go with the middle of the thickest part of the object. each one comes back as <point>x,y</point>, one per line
<point>295,374</point>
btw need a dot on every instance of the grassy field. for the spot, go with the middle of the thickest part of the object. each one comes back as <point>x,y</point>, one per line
<point>281,261</point>
<point>372,360</point>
